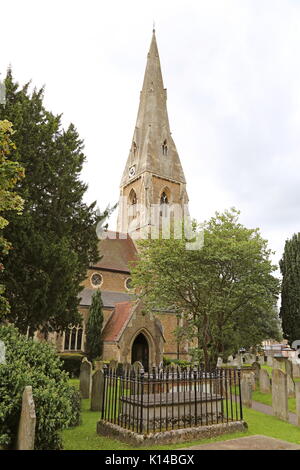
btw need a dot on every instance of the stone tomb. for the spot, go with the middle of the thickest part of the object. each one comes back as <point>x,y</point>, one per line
<point>177,408</point>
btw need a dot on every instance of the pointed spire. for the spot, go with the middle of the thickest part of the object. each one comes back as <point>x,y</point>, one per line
<point>152,147</point>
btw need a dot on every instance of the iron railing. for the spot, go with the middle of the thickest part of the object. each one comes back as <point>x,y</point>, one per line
<point>165,399</point>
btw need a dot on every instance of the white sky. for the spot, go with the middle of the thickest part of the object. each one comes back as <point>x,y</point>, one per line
<point>232,70</point>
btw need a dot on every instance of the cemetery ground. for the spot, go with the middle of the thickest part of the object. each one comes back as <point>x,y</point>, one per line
<point>84,436</point>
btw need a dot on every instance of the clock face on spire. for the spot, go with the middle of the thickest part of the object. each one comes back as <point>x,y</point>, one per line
<point>131,171</point>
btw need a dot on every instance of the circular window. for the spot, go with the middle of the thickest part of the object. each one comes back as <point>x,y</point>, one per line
<point>96,280</point>
<point>128,283</point>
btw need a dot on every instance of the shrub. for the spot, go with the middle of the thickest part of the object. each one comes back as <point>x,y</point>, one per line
<point>33,363</point>
<point>71,363</point>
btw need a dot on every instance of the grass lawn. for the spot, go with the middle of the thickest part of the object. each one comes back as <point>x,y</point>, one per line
<point>266,398</point>
<point>84,437</point>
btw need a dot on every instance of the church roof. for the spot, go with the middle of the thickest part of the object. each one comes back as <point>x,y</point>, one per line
<point>109,298</point>
<point>117,321</point>
<point>153,148</point>
<point>117,253</point>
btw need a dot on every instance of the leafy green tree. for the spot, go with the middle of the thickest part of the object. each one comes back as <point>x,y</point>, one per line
<point>55,239</point>
<point>290,290</point>
<point>94,327</point>
<point>225,291</point>
<point>10,173</point>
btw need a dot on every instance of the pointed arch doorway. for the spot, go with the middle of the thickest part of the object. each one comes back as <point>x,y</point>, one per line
<point>140,351</point>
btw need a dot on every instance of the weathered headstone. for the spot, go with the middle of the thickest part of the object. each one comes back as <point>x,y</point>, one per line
<point>261,360</point>
<point>264,381</point>
<point>256,367</point>
<point>290,386</point>
<point>297,390</point>
<point>85,378</point>
<point>219,362</point>
<point>246,392</point>
<point>279,363</point>
<point>230,359</point>
<point>26,431</point>
<point>280,394</point>
<point>296,370</point>
<point>97,390</point>
<point>289,368</point>
<point>270,361</point>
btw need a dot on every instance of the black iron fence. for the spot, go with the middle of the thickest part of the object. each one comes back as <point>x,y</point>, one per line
<point>166,399</point>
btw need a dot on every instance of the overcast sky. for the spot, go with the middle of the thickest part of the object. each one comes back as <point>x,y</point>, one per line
<point>232,70</point>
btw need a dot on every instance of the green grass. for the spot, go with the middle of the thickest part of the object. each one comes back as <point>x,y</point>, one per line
<point>84,437</point>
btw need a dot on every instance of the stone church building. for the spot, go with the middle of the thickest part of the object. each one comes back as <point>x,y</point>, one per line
<point>153,178</point>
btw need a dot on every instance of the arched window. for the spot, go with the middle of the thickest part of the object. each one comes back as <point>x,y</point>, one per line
<point>132,203</point>
<point>164,201</point>
<point>165,147</point>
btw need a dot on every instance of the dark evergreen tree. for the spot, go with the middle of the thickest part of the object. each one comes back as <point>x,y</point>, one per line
<point>55,240</point>
<point>290,290</point>
<point>94,327</point>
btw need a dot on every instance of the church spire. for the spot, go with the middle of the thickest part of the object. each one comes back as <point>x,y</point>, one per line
<point>153,148</point>
<point>153,172</point>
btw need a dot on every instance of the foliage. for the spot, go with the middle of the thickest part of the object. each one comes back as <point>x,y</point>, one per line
<point>55,239</point>
<point>94,327</point>
<point>33,363</point>
<point>226,291</point>
<point>10,173</point>
<point>290,291</point>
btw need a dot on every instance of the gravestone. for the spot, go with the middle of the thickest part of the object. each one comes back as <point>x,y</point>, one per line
<point>264,381</point>
<point>26,431</point>
<point>289,368</point>
<point>296,370</point>
<point>219,362</point>
<point>246,392</point>
<point>97,390</point>
<point>280,394</point>
<point>137,366</point>
<point>256,367</point>
<point>270,361</point>
<point>297,390</point>
<point>85,378</point>
<point>280,363</point>
<point>290,386</point>
<point>261,360</point>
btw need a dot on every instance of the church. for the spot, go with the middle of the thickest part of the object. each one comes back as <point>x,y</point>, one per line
<point>153,178</point>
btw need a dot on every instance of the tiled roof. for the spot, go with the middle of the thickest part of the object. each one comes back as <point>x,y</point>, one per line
<point>116,252</point>
<point>117,321</point>
<point>109,298</point>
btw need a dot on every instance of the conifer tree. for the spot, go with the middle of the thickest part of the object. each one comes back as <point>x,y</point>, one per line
<point>55,240</point>
<point>290,290</point>
<point>94,327</point>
